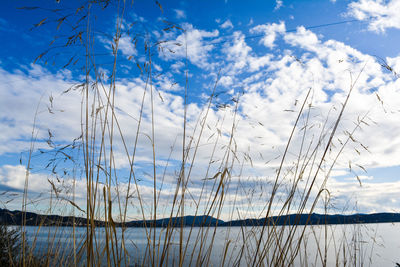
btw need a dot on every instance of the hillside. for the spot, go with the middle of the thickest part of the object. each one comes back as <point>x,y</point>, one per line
<point>32,219</point>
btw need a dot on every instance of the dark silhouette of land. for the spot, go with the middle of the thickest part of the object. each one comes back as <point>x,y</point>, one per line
<point>33,219</point>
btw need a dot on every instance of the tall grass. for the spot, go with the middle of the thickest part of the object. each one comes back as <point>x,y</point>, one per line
<point>298,186</point>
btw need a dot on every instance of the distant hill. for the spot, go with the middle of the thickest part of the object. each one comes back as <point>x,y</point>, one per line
<point>33,219</point>
<point>176,222</point>
<point>316,219</point>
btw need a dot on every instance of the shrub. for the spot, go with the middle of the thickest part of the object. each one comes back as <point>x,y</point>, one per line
<point>9,245</point>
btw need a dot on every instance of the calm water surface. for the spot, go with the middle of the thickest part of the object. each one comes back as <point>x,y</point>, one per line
<point>353,245</point>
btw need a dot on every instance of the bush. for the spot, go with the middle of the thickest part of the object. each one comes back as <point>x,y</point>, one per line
<point>10,243</point>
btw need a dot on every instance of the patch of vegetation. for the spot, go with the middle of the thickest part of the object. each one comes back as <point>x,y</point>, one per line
<point>10,245</point>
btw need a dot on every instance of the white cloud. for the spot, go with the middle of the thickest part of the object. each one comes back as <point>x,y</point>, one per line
<point>41,189</point>
<point>273,85</point>
<point>227,24</point>
<point>238,52</point>
<point>240,58</point>
<point>21,93</point>
<point>225,81</point>
<point>180,14</point>
<point>270,31</point>
<point>303,38</point>
<point>177,66</point>
<point>381,15</point>
<point>126,46</point>
<point>14,177</point>
<point>193,41</point>
<point>136,17</point>
<point>327,67</point>
<point>371,196</point>
<point>251,21</point>
<point>157,67</point>
<point>278,4</point>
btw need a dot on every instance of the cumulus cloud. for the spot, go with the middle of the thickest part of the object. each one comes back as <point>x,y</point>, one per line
<point>193,41</point>
<point>126,46</point>
<point>270,31</point>
<point>238,52</point>
<point>328,67</point>
<point>36,94</point>
<point>225,81</point>
<point>371,196</point>
<point>381,15</point>
<point>268,89</point>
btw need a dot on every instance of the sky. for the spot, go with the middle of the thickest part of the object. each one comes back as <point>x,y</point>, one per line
<point>260,59</point>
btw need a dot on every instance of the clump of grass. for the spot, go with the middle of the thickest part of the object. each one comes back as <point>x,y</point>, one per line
<point>10,245</point>
<point>102,136</point>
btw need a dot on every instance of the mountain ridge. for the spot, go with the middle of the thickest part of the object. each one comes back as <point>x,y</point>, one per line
<point>33,219</point>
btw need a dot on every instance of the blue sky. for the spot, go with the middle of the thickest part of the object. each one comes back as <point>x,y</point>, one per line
<point>267,53</point>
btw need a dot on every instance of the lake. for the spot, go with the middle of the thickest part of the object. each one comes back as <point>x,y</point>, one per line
<point>350,245</point>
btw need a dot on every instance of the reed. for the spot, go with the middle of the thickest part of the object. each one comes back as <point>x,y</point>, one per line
<point>298,186</point>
